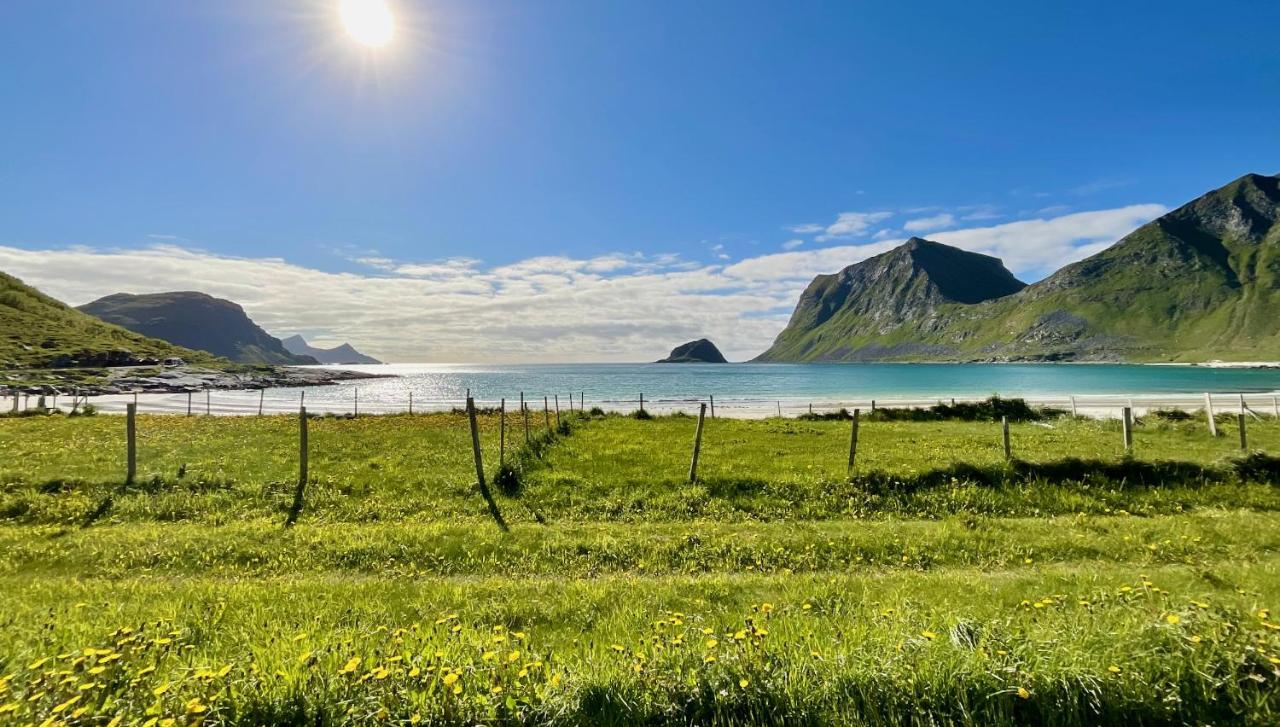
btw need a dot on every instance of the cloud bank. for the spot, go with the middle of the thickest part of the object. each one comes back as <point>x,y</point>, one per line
<point>616,307</point>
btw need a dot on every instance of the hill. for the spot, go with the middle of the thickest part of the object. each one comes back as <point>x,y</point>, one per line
<point>41,332</point>
<point>1200,283</point>
<point>195,320</point>
<point>699,351</point>
<point>344,354</point>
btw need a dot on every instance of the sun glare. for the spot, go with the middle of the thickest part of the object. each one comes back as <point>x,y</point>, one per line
<point>368,22</point>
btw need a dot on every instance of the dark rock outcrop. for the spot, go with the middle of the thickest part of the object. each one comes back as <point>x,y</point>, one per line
<point>699,351</point>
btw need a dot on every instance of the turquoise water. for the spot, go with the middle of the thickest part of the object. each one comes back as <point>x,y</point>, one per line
<point>673,383</point>
<point>748,389</point>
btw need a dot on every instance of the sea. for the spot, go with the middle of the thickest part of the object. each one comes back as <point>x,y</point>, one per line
<point>746,389</point>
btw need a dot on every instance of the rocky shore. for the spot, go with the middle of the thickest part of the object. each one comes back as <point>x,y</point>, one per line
<point>152,379</point>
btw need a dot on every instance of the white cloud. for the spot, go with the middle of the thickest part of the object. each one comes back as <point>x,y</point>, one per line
<point>929,224</point>
<point>808,228</point>
<point>851,224</point>
<point>616,307</point>
<point>792,244</point>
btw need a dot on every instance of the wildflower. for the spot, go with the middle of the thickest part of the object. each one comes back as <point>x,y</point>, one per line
<point>496,690</point>
<point>1113,669</point>
<point>1172,619</point>
<point>744,683</point>
<point>380,673</point>
<point>195,706</point>
<point>929,635</point>
<point>450,678</point>
<point>711,643</point>
<point>766,607</point>
<point>1023,693</point>
<point>160,690</point>
<point>618,648</point>
<point>351,665</point>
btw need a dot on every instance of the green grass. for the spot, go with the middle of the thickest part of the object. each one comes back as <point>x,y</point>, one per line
<point>938,585</point>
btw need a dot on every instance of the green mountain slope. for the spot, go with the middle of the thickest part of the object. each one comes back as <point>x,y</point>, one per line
<point>37,331</point>
<point>195,320</point>
<point>1200,283</point>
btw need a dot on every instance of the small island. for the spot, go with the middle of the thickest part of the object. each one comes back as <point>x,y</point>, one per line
<point>699,351</point>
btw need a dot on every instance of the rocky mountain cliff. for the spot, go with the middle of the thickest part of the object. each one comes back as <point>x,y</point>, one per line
<point>37,331</point>
<point>344,354</point>
<point>195,320</point>
<point>1200,283</point>
<point>699,351</point>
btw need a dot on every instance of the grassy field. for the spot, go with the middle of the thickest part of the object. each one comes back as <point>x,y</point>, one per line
<point>937,584</point>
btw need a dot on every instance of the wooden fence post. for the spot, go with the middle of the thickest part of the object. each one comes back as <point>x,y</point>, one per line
<point>1004,426</point>
<point>296,509</point>
<point>1244,437</point>
<point>188,403</point>
<point>410,402</point>
<point>713,405</point>
<point>131,444</point>
<point>557,411</point>
<point>1073,408</point>
<point>524,410</point>
<point>1127,427</point>
<point>697,444</point>
<point>1275,406</point>
<point>642,401</point>
<point>546,413</point>
<point>779,409</point>
<point>502,432</point>
<point>853,439</point>
<point>356,391</point>
<point>208,404</point>
<point>261,394</point>
<point>475,450</point>
<point>1208,410</point>
<point>873,406</point>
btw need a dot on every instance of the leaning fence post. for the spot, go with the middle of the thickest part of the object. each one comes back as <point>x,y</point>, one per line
<point>475,450</point>
<point>502,432</point>
<point>1244,437</point>
<point>1208,409</point>
<point>853,439</point>
<point>1127,417</point>
<point>131,444</point>
<point>697,444</point>
<point>296,509</point>
<point>546,413</point>
<point>712,397</point>
<point>1275,406</point>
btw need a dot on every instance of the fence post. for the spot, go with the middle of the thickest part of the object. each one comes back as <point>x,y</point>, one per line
<point>524,410</point>
<point>713,405</point>
<point>208,405</point>
<point>582,401</point>
<point>356,391</point>
<point>1208,409</point>
<point>853,439</point>
<point>779,409</point>
<point>475,450</point>
<point>131,444</point>
<point>1244,438</point>
<point>546,413</point>
<point>1127,416</point>
<point>410,402</point>
<point>502,432</point>
<point>296,509</point>
<point>557,411</point>
<point>261,393</point>
<point>1275,406</point>
<point>697,444</point>
<point>1004,426</point>
<point>642,401</point>
<point>873,406</point>
<point>1073,408</point>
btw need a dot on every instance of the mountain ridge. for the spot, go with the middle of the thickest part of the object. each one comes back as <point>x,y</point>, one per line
<point>195,320</point>
<point>1201,282</point>
<point>343,354</point>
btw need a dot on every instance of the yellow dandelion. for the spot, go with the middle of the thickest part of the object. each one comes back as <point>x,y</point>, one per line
<point>1022,692</point>
<point>1113,669</point>
<point>711,643</point>
<point>496,690</point>
<point>929,635</point>
<point>744,683</point>
<point>450,678</point>
<point>1172,619</point>
<point>351,665</point>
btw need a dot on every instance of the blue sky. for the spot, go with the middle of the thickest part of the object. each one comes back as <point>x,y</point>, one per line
<point>497,144</point>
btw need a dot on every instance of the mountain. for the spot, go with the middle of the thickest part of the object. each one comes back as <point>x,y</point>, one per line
<point>195,320</point>
<point>699,351</point>
<point>344,354</point>
<point>1200,283</point>
<point>40,332</point>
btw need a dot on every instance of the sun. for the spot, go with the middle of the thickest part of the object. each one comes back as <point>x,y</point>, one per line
<point>368,22</point>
